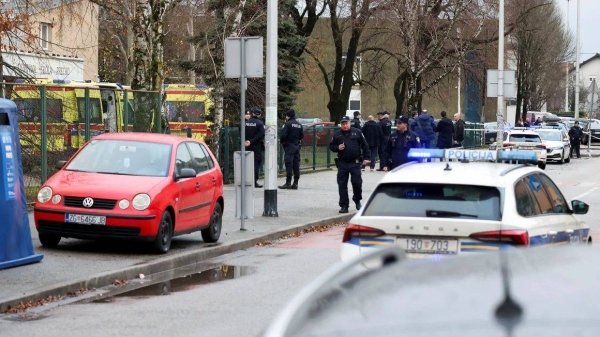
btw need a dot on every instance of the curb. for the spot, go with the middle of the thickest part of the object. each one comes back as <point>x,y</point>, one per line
<point>162,264</point>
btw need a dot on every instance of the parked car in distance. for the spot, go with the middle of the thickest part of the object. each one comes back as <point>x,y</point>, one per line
<point>133,186</point>
<point>319,130</point>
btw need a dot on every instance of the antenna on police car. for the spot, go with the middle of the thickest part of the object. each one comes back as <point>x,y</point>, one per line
<point>508,313</point>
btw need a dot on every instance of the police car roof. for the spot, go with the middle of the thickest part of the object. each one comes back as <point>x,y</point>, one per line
<point>471,173</point>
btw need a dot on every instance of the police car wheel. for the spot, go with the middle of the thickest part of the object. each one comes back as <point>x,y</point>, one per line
<point>542,166</point>
<point>568,159</point>
<point>49,240</point>
<point>562,158</point>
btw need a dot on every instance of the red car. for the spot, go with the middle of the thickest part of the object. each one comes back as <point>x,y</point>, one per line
<point>138,186</point>
<point>320,129</point>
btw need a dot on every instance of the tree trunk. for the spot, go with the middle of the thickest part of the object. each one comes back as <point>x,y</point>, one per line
<point>400,92</point>
<point>337,108</point>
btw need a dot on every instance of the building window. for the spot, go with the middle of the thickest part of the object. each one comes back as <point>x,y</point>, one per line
<point>592,78</point>
<point>44,35</point>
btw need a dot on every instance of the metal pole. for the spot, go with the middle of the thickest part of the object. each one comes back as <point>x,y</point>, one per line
<point>271,143</point>
<point>125,112</point>
<point>243,133</point>
<point>589,144</point>
<point>500,113</point>
<point>44,134</point>
<point>577,65</point>
<point>567,68</point>
<point>87,108</point>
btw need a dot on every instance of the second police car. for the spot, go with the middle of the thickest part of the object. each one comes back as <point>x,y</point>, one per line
<point>448,208</point>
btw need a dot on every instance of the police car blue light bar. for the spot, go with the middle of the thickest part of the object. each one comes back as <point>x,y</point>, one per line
<point>473,155</point>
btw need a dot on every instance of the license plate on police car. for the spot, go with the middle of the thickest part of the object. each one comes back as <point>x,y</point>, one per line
<point>428,246</point>
<point>85,219</point>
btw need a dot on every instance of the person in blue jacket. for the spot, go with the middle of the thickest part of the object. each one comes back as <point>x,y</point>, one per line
<point>424,127</point>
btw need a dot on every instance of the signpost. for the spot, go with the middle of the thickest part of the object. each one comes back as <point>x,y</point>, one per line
<point>243,59</point>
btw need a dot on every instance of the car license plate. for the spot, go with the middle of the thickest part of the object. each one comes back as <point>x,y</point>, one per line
<point>428,246</point>
<point>85,219</point>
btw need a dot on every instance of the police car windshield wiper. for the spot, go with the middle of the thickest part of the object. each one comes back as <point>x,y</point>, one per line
<point>447,214</point>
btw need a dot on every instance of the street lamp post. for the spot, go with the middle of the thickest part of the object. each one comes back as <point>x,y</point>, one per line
<point>500,109</point>
<point>271,144</point>
<point>567,67</point>
<point>577,65</point>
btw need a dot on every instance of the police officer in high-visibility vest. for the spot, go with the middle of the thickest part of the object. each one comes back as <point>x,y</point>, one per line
<point>575,134</point>
<point>353,152</point>
<point>291,137</point>
<point>400,142</point>
<point>255,137</point>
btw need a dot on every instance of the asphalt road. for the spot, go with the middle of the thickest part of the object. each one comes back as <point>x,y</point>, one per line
<point>264,279</point>
<point>245,295</point>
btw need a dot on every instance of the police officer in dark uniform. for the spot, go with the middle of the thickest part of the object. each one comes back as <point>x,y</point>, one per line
<point>255,137</point>
<point>291,136</point>
<point>386,129</point>
<point>400,142</point>
<point>575,134</point>
<point>353,151</point>
<point>356,122</point>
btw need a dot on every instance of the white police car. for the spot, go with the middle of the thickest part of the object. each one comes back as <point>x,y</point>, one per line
<point>558,146</point>
<point>521,138</point>
<point>465,206</point>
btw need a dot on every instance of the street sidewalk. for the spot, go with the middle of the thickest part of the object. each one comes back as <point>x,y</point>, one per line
<point>79,264</point>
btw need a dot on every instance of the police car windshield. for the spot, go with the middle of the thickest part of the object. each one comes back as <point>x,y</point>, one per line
<point>524,138</point>
<point>549,135</point>
<point>123,157</point>
<point>435,200</point>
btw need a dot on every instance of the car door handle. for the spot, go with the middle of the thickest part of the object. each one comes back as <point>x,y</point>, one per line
<point>569,231</point>
<point>214,180</point>
<point>198,185</point>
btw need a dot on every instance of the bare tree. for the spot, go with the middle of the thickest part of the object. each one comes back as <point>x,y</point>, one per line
<point>539,44</point>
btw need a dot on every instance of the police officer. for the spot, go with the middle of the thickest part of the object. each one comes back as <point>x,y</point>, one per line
<point>255,137</point>
<point>353,151</point>
<point>291,135</point>
<point>575,134</point>
<point>386,129</point>
<point>400,142</point>
<point>357,122</point>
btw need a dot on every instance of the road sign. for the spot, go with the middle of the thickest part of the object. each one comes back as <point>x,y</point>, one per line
<point>509,83</point>
<point>253,57</point>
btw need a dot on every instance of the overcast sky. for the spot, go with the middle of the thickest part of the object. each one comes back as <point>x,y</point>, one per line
<point>589,24</point>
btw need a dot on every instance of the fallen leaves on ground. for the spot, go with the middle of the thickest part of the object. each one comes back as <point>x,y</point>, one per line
<point>311,229</point>
<point>120,282</point>
<point>24,306</point>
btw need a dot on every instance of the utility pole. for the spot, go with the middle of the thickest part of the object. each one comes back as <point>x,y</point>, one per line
<point>271,144</point>
<point>567,71</point>
<point>577,64</point>
<point>500,109</point>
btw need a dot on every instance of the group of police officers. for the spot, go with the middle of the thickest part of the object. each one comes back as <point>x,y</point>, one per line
<point>357,145</point>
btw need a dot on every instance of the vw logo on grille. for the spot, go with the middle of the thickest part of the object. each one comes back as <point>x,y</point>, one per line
<point>88,202</point>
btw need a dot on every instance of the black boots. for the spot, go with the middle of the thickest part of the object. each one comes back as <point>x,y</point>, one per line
<point>287,184</point>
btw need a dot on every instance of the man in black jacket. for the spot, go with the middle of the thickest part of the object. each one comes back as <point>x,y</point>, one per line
<point>373,134</point>
<point>357,122</point>
<point>255,136</point>
<point>575,134</point>
<point>445,130</point>
<point>386,129</point>
<point>291,136</point>
<point>353,151</point>
<point>459,130</point>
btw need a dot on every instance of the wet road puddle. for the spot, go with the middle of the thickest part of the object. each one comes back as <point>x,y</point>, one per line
<point>172,282</point>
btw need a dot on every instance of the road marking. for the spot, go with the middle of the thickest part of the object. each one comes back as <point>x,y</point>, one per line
<point>586,193</point>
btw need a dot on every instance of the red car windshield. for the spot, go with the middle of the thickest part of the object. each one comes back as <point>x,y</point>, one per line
<point>123,157</point>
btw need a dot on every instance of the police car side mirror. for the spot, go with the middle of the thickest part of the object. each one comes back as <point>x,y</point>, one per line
<point>579,207</point>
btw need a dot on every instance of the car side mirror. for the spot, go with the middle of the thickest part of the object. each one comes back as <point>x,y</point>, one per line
<point>579,207</point>
<point>60,164</point>
<point>186,173</point>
